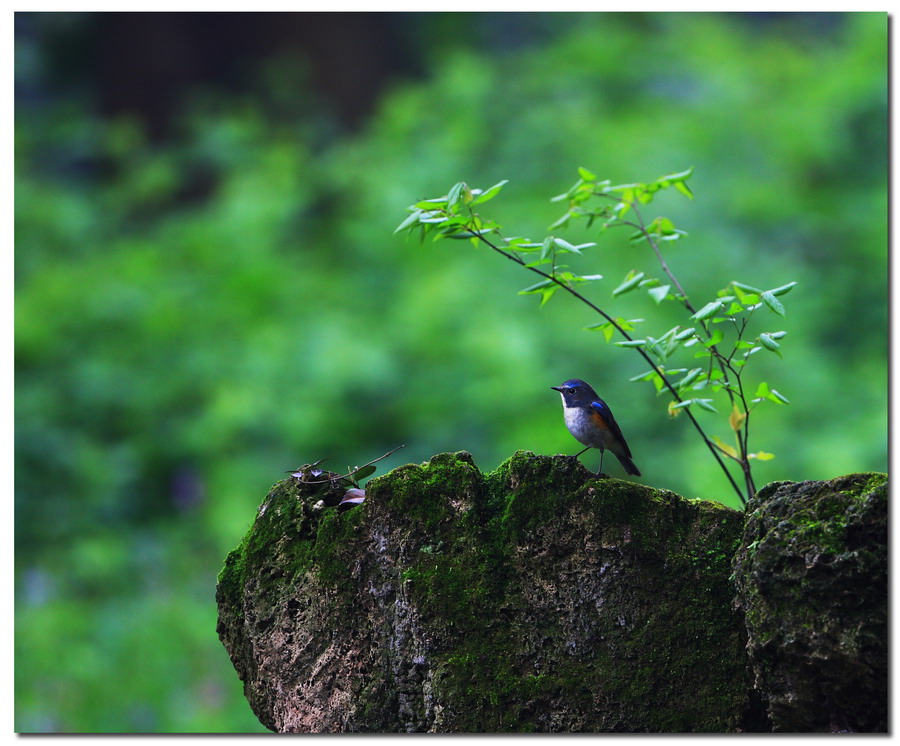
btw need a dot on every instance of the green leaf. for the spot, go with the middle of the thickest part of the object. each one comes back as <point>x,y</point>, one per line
<point>644,193</point>
<point>778,397</point>
<point>676,180</point>
<point>681,404</point>
<point>783,289</point>
<point>684,334</point>
<point>669,334</point>
<point>588,278</point>
<point>761,455</point>
<point>692,376</point>
<point>769,343</point>
<point>724,447</point>
<point>680,176</point>
<point>586,175</point>
<point>708,311</point>
<point>772,302</point>
<point>714,338</point>
<point>665,226</point>
<point>637,236</point>
<point>455,194</point>
<point>625,205</point>
<point>632,343</point>
<point>363,471</point>
<point>675,407</point>
<point>684,189</point>
<point>548,294</point>
<point>525,246</point>
<point>659,294</point>
<point>567,195</point>
<point>410,220</point>
<point>547,247</point>
<point>564,245</point>
<point>748,288</point>
<point>562,221</point>
<point>606,327</point>
<point>536,287</point>
<point>609,329</point>
<point>546,289</point>
<point>655,348</point>
<point>632,280</point>
<point>431,204</point>
<point>706,404</point>
<point>490,193</point>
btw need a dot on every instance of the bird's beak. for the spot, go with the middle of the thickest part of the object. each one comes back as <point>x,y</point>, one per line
<point>557,388</point>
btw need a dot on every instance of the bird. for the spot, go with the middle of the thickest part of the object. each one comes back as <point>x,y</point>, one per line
<point>591,421</point>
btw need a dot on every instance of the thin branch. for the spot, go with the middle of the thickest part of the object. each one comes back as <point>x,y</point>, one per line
<point>355,470</point>
<point>659,256</point>
<point>724,363</point>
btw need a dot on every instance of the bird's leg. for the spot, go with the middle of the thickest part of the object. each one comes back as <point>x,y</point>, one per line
<point>582,451</point>
<point>600,470</point>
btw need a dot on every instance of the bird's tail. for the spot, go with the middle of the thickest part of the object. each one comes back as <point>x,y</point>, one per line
<point>628,465</point>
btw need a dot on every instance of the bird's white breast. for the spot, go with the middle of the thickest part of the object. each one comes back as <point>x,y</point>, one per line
<point>583,429</point>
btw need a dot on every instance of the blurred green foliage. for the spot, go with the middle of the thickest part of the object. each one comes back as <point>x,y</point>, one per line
<point>194,317</point>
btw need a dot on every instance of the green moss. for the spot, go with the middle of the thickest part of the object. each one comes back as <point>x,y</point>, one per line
<point>230,582</point>
<point>810,577</point>
<point>513,642</point>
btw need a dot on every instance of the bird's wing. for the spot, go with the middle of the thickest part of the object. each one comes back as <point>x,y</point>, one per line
<point>601,408</point>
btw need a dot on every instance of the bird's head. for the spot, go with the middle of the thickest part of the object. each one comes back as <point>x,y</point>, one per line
<point>576,393</point>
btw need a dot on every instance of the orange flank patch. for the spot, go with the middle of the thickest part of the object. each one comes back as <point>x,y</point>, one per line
<point>599,420</point>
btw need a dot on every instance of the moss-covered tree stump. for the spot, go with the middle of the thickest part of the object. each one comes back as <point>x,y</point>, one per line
<point>534,598</point>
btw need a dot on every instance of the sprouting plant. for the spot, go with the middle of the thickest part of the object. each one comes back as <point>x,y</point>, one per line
<point>718,329</point>
<point>345,486</point>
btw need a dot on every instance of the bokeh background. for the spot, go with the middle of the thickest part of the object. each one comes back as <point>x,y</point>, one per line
<point>208,291</point>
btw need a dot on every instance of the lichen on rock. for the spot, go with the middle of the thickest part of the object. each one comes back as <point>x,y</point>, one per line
<point>534,598</point>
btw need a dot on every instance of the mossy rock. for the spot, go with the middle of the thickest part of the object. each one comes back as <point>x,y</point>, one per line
<point>535,598</point>
<point>812,582</point>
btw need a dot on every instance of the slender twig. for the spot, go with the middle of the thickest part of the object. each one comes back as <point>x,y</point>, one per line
<point>649,236</point>
<point>723,362</point>
<point>745,443</point>
<point>353,471</point>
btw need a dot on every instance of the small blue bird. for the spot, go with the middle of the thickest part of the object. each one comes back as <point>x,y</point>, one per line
<point>592,423</point>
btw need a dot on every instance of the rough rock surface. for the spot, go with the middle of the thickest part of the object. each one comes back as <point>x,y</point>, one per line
<point>811,577</point>
<point>534,598</point>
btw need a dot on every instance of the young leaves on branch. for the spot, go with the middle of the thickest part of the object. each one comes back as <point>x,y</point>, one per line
<point>717,329</point>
